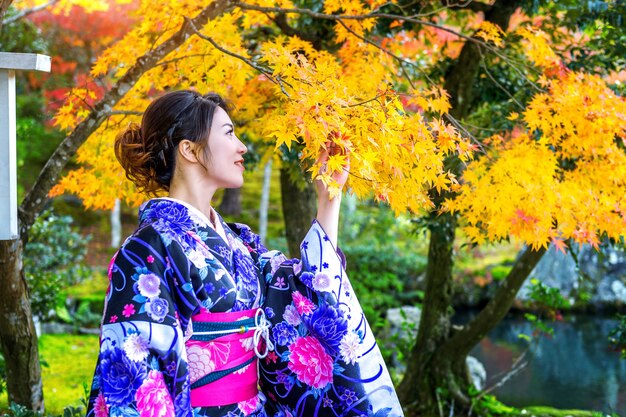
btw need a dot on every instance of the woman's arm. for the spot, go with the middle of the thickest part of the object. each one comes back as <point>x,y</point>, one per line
<point>327,206</point>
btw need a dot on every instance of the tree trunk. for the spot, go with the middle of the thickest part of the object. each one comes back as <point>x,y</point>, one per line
<point>18,339</point>
<point>426,370</point>
<point>265,200</point>
<point>436,382</point>
<point>4,6</point>
<point>460,77</point>
<point>231,202</point>
<point>299,206</point>
<point>116,224</point>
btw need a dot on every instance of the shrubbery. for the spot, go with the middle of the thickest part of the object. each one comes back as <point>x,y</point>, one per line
<point>384,260</point>
<point>53,260</point>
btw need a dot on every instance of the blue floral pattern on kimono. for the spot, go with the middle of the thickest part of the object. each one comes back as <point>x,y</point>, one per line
<point>325,363</point>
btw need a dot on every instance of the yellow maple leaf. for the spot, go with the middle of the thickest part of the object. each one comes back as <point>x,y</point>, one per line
<point>490,32</point>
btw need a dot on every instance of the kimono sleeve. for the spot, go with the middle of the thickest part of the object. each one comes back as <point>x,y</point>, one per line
<point>142,368</point>
<point>326,361</point>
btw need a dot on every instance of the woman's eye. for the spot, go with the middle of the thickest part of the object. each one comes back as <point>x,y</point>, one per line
<point>230,132</point>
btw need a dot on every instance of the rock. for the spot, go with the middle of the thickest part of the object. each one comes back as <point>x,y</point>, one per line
<point>403,325</point>
<point>477,371</point>
<point>53,327</point>
<point>611,291</point>
<point>555,270</point>
<point>404,321</point>
<point>619,289</point>
<point>604,274</point>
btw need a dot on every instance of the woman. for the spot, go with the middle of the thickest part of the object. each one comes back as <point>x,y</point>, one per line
<point>199,314</point>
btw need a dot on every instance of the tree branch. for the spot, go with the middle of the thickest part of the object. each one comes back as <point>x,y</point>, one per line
<point>410,19</point>
<point>4,6</point>
<point>339,18</point>
<point>374,15</point>
<point>179,58</point>
<point>265,71</point>
<point>281,22</point>
<point>465,339</point>
<point>517,366</point>
<point>26,12</point>
<point>125,113</point>
<point>499,85</point>
<point>401,61</point>
<point>35,199</point>
<point>472,5</point>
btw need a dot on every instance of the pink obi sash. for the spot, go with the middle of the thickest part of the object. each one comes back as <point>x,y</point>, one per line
<point>222,356</point>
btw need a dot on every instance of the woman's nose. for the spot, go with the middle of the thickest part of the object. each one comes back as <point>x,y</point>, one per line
<point>242,147</point>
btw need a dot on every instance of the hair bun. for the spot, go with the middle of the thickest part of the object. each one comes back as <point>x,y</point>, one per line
<point>132,134</point>
<point>136,159</point>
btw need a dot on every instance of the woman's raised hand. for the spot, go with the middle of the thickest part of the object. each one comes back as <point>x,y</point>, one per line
<point>338,175</point>
<point>328,205</point>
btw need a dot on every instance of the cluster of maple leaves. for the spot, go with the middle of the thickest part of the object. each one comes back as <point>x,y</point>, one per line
<point>559,175</point>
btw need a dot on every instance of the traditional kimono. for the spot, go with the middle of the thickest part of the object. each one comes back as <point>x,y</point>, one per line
<point>202,320</point>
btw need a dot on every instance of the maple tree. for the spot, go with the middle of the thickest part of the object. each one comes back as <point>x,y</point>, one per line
<point>554,176</point>
<point>534,181</point>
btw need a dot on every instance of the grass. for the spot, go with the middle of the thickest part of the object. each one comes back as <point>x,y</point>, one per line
<point>540,411</point>
<point>90,290</point>
<point>69,363</point>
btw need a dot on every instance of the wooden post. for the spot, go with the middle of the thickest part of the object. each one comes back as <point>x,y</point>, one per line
<point>9,63</point>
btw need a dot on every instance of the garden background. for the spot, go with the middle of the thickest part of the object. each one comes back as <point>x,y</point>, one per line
<point>488,169</point>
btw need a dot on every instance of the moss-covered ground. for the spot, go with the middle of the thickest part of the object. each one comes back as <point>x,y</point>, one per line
<point>68,363</point>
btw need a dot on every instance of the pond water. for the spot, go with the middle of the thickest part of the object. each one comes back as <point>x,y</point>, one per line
<point>575,368</point>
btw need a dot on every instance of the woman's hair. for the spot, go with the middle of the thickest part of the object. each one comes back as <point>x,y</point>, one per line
<point>148,152</point>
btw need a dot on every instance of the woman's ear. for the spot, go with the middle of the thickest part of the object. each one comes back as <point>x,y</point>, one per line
<point>187,151</point>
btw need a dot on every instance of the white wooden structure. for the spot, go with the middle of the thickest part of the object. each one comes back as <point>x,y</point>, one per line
<point>9,63</point>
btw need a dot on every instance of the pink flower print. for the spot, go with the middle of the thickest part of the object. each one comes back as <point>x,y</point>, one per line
<point>200,362</point>
<point>280,282</point>
<point>110,267</point>
<point>271,357</point>
<point>303,304</point>
<point>153,398</point>
<point>291,316</point>
<point>310,362</point>
<point>113,318</point>
<point>150,259</point>
<point>100,408</point>
<point>128,311</point>
<point>248,407</point>
<point>321,282</point>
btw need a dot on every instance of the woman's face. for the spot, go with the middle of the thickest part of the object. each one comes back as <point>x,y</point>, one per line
<point>225,153</point>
